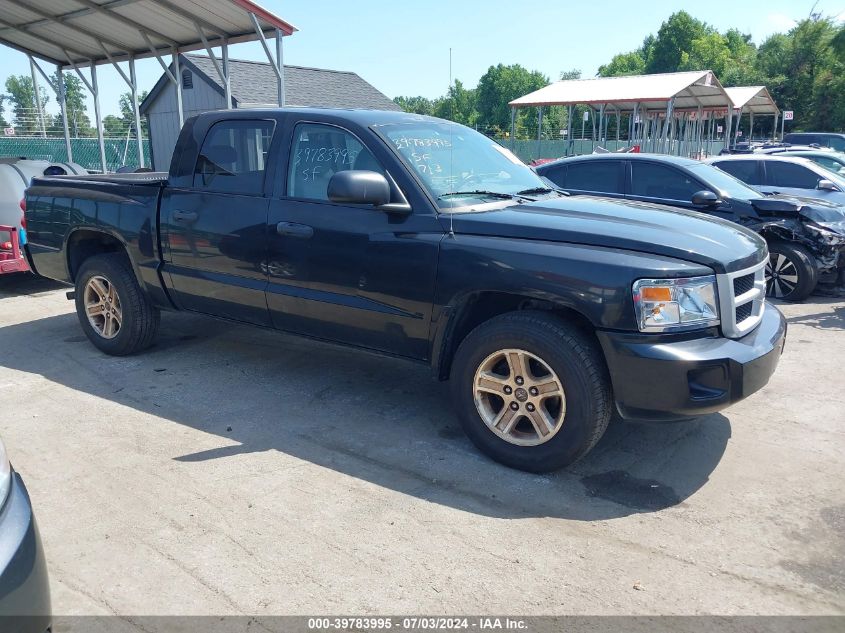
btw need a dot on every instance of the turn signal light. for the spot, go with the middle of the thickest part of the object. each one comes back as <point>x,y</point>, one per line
<point>656,293</point>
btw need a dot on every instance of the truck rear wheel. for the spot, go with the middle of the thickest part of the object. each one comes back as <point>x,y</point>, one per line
<point>531,391</point>
<point>114,313</point>
<point>791,273</point>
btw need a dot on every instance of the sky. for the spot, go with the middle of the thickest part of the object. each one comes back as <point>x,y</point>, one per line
<point>402,48</point>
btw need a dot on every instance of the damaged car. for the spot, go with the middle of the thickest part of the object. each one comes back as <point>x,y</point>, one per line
<point>806,237</point>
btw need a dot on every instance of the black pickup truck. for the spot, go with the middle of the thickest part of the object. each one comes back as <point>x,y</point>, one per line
<point>419,238</point>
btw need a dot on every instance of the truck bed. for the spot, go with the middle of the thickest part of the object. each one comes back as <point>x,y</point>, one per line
<point>144,178</point>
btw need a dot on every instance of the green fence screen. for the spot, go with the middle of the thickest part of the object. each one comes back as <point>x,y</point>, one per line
<point>86,151</point>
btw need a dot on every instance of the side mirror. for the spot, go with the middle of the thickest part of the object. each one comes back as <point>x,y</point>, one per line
<point>827,185</point>
<point>355,186</point>
<point>705,199</point>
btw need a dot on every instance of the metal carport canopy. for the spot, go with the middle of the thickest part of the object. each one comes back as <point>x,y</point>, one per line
<point>754,99</point>
<point>652,92</point>
<point>92,30</point>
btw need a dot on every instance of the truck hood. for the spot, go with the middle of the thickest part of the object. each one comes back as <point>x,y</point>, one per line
<point>633,226</point>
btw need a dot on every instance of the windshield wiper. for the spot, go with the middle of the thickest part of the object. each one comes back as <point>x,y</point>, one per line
<point>491,194</point>
<point>526,192</point>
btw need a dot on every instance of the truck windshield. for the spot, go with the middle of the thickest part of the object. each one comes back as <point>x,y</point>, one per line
<point>458,165</point>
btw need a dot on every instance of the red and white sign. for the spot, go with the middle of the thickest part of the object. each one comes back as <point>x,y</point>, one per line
<point>718,129</point>
<point>787,115</point>
<point>8,131</point>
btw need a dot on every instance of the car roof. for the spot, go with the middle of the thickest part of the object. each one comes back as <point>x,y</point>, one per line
<point>792,148</point>
<point>359,116</point>
<point>839,134</point>
<point>811,152</point>
<point>659,158</point>
<point>771,157</point>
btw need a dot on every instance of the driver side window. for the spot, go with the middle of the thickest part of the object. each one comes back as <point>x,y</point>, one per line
<point>318,152</point>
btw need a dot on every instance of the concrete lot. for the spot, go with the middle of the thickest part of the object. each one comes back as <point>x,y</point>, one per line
<point>232,470</point>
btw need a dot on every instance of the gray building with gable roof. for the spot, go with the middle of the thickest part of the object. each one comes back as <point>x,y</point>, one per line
<point>253,85</point>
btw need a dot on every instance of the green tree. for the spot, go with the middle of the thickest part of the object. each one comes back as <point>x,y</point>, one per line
<point>78,120</point>
<point>500,85</point>
<point>114,126</point>
<point>127,113</point>
<point>417,105</point>
<point>631,63</point>
<point>459,105</point>
<point>22,97</point>
<point>3,122</point>
<point>675,38</point>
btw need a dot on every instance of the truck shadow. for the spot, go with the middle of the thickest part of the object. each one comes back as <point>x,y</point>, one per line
<point>378,419</point>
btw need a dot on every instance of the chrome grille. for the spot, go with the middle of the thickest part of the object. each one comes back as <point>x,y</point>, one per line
<point>742,299</point>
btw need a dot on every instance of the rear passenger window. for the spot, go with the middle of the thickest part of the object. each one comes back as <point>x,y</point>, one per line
<point>744,170</point>
<point>233,157</point>
<point>593,176</point>
<point>318,152</point>
<point>650,180</point>
<point>791,175</point>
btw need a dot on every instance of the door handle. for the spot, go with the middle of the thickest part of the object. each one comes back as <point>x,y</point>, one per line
<point>292,229</point>
<point>185,216</point>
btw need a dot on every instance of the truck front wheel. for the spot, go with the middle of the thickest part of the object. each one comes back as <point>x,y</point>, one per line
<point>532,392</point>
<point>114,313</point>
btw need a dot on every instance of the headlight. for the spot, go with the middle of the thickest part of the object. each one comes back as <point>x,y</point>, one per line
<point>5,474</point>
<point>676,304</point>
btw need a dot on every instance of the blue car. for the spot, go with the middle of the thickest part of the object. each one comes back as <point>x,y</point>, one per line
<point>24,588</point>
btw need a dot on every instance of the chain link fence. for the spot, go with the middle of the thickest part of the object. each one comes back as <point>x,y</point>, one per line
<point>86,151</point>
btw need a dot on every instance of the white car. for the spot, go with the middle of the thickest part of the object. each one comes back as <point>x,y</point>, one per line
<point>15,174</point>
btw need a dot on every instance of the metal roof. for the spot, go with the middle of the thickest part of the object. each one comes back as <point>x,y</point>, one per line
<point>754,99</point>
<point>254,85</point>
<point>690,90</point>
<point>86,31</point>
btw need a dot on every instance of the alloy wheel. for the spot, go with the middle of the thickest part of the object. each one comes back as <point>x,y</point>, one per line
<point>519,397</point>
<point>102,306</point>
<point>781,276</point>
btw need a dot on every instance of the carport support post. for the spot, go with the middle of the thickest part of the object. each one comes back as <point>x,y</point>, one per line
<point>280,63</point>
<point>539,130</point>
<point>226,79</point>
<point>136,113</point>
<point>751,127</point>
<point>513,127</point>
<point>96,92</point>
<point>37,96</point>
<point>570,143</point>
<point>60,93</point>
<point>177,73</point>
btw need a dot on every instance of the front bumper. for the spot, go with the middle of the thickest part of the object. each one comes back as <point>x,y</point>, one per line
<point>24,588</point>
<point>666,378</point>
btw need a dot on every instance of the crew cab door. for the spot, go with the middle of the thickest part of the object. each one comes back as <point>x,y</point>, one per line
<point>348,273</point>
<point>214,228</point>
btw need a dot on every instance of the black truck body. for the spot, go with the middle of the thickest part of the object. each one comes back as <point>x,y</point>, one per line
<point>369,255</point>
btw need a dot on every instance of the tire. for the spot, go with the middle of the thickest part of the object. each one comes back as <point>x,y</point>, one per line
<point>576,420</point>
<point>791,273</point>
<point>108,281</point>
